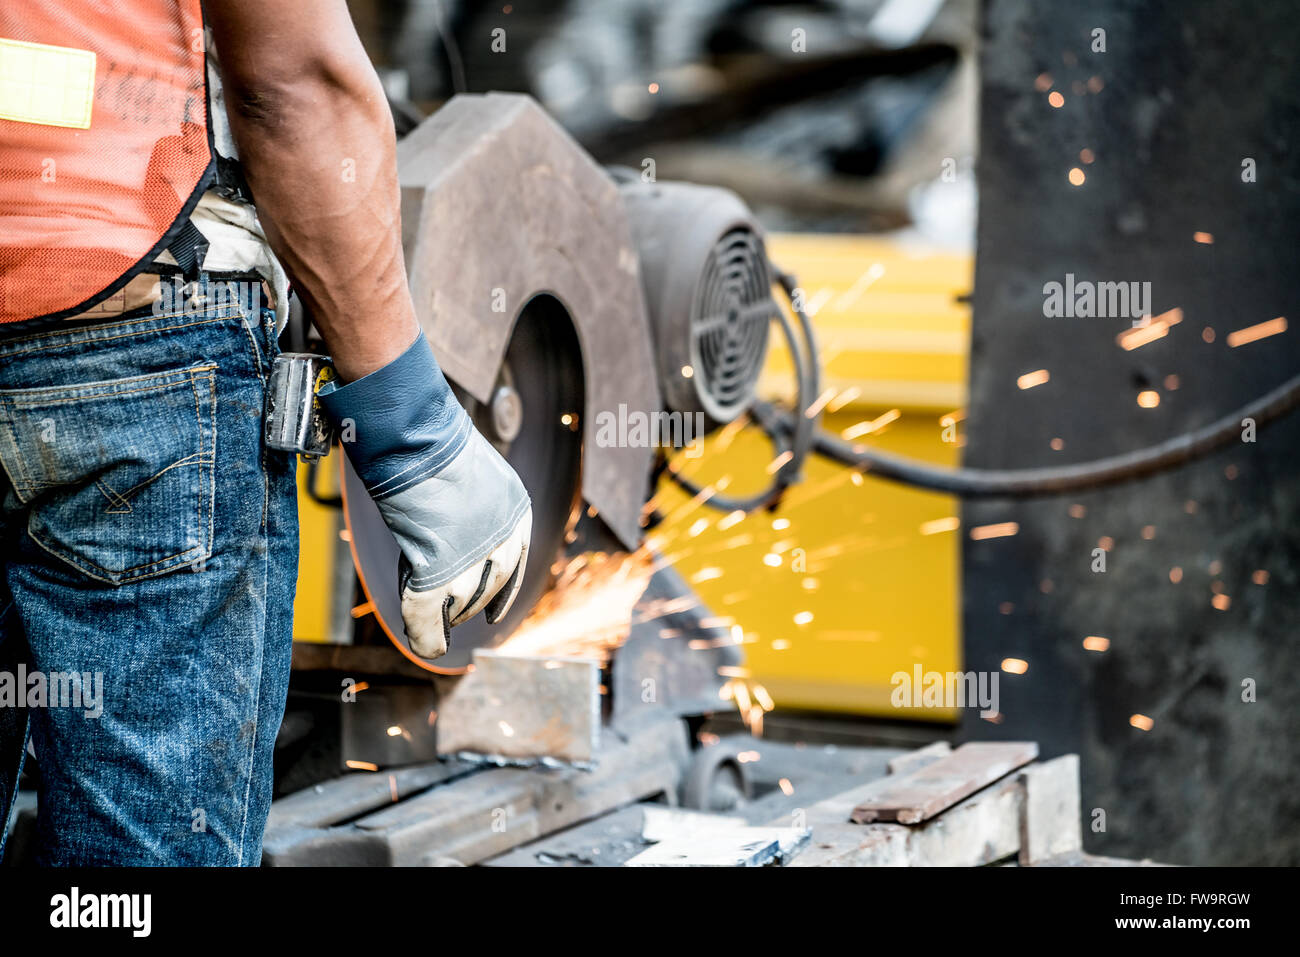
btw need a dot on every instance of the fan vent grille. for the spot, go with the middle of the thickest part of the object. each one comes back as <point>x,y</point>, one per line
<point>729,323</point>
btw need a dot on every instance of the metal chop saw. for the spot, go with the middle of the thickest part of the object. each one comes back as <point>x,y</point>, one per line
<point>555,293</point>
<point>553,290</point>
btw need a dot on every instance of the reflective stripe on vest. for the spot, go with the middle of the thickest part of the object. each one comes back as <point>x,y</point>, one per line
<point>104,145</point>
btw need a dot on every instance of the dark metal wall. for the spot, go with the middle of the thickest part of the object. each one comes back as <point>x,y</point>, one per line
<point>1186,92</point>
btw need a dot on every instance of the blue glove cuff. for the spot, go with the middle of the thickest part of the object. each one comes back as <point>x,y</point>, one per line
<point>400,424</point>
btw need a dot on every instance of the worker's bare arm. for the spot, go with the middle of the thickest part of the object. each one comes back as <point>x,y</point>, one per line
<point>316,143</point>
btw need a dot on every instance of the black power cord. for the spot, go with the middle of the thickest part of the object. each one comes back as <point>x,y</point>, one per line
<point>780,424</point>
<point>1021,483</point>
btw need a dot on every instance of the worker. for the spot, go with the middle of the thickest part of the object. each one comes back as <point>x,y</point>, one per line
<point>164,182</point>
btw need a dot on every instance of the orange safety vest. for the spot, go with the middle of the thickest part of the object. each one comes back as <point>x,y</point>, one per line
<point>105,145</point>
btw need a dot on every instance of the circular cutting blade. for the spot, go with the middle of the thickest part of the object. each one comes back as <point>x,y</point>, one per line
<point>543,366</point>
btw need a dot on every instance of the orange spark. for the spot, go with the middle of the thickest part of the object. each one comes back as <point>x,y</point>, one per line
<point>775,465</point>
<point>1156,328</point>
<point>820,403</point>
<point>843,399</point>
<point>589,611</point>
<point>875,425</point>
<point>935,526</point>
<point>730,519</point>
<point>999,530</point>
<point>1256,332</point>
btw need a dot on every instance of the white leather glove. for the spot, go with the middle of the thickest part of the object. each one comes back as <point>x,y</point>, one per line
<point>458,511</point>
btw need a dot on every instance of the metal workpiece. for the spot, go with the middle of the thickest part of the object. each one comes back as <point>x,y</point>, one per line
<point>523,710</point>
<point>499,207</point>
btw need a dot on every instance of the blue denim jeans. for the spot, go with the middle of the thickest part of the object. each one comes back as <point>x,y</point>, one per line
<point>149,552</point>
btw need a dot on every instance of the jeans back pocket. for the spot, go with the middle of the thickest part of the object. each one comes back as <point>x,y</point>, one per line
<point>116,477</point>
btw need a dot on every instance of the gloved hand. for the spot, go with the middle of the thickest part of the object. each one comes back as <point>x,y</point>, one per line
<point>458,511</point>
